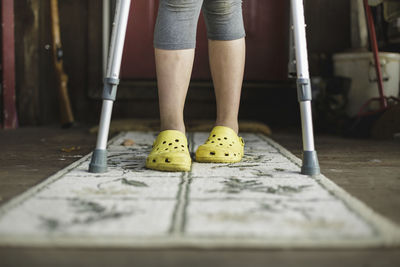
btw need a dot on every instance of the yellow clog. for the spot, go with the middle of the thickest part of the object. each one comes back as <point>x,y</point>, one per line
<point>222,146</point>
<point>170,152</point>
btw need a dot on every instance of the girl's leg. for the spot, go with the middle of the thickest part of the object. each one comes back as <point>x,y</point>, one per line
<point>174,68</point>
<point>174,42</point>
<point>227,66</point>
<point>226,44</point>
<point>227,54</point>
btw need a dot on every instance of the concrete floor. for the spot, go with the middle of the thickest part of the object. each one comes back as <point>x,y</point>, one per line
<point>367,169</point>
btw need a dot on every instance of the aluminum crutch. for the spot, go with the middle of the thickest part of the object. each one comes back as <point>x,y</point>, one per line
<point>310,164</point>
<point>98,163</point>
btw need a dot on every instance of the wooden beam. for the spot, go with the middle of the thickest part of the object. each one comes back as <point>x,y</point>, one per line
<point>10,120</point>
<point>27,68</point>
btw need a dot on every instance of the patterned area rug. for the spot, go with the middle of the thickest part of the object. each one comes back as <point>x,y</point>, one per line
<point>261,202</point>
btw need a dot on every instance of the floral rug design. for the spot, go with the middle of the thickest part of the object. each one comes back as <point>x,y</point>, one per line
<point>261,202</point>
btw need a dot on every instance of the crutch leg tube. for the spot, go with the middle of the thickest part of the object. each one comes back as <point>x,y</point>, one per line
<point>98,163</point>
<point>310,164</point>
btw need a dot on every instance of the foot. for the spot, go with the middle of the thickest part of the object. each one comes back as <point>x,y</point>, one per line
<point>222,146</point>
<point>170,152</point>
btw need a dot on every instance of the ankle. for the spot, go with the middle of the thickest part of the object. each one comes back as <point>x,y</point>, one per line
<point>234,125</point>
<point>180,128</point>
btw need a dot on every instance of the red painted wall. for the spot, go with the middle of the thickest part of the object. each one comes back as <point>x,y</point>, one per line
<point>267,29</point>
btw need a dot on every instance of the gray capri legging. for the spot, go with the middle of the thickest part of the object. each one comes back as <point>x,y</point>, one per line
<point>176,24</point>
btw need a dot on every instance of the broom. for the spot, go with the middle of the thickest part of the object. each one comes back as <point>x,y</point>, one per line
<point>66,115</point>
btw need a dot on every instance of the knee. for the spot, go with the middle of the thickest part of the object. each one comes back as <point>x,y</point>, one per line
<point>180,5</point>
<point>222,8</point>
<point>224,19</point>
<point>176,24</point>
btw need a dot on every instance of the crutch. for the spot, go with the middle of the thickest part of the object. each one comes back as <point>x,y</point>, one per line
<point>98,162</point>
<point>310,164</point>
<point>310,161</point>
